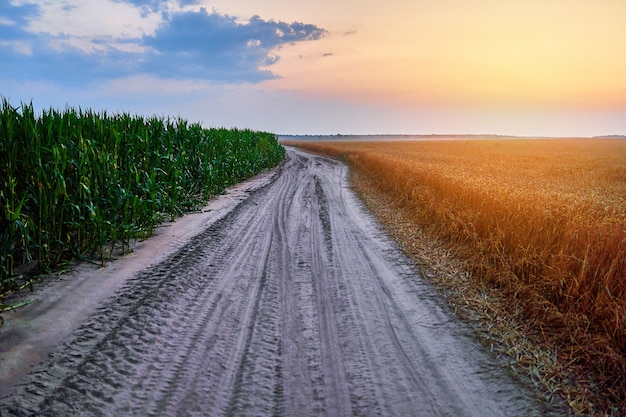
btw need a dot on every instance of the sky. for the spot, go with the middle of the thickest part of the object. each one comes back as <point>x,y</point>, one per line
<point>511,67</point>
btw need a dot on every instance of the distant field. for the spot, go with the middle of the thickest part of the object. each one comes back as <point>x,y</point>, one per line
<point>543,221</point>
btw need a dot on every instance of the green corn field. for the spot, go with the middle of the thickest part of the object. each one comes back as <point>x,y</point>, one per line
<point>75,183</point>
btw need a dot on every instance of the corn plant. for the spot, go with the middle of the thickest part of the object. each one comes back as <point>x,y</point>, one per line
<point>75,183</point>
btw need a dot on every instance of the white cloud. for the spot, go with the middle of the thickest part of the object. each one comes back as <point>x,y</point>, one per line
<point>90,45</point>
<point>94,19</point>
<point>6,22</point>
<point>19,47</point>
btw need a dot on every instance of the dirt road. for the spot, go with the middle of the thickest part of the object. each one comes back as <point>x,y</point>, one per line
<point>290,300</point>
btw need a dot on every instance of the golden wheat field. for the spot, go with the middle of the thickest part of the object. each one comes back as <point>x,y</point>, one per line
<point>542,221</point>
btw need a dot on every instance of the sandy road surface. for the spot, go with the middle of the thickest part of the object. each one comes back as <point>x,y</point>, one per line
<point>290,301</point>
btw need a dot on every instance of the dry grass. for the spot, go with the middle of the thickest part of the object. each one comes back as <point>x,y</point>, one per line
<point>540,228</point>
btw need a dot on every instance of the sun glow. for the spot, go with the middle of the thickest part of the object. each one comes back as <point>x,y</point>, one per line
<point>492,52</point>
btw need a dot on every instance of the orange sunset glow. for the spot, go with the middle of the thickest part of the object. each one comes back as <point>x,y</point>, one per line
<point>487,52</point>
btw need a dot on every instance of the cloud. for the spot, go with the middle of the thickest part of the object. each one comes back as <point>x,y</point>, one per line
<point>219,47</point>
<point>46,41</point>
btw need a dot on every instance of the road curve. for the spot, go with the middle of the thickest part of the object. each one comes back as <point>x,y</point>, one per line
<point>294,303</point>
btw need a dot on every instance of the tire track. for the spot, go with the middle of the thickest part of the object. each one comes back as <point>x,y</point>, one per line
<point>337,396</point>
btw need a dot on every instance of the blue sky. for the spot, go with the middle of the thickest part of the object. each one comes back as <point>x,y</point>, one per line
<point>326,67</point>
